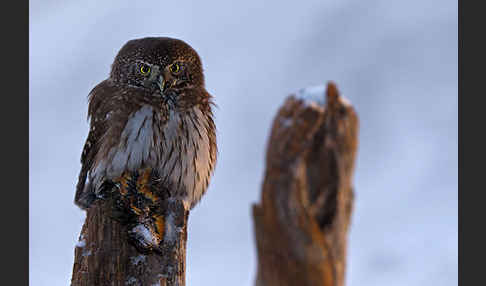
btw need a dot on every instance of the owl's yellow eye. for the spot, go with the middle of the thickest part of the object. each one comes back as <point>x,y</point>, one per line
<point>175,68</point>
<point>145,69</point>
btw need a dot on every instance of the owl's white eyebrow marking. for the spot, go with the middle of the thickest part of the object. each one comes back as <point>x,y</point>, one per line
<point>143,62</point>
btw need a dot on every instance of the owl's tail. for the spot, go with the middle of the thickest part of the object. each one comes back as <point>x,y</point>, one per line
<point>84,196</point>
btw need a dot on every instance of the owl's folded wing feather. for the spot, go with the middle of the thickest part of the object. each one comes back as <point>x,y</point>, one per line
<point>97,116</point>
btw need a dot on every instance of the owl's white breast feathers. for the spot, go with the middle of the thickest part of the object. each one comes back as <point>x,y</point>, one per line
<point>138,137</point>
<point>182,158</point>
<point>185,160</point>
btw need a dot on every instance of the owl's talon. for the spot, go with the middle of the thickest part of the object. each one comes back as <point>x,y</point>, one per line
<point>144,238</point>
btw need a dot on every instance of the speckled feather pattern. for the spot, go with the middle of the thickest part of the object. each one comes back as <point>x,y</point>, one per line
<point>132,129</point>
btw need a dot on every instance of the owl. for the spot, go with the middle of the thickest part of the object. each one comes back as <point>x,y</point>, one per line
<point>152,113</point>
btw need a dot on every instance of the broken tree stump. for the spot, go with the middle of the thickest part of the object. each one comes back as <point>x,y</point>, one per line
<point>132,237</point>
<point>302,221</point>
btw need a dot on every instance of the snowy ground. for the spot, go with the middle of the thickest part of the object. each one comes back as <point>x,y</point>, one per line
<point>395,60</point>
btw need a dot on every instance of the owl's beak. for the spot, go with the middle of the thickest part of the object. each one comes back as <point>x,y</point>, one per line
<point>161,83</point>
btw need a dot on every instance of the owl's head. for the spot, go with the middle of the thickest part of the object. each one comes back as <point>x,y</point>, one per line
<point>157,64</point>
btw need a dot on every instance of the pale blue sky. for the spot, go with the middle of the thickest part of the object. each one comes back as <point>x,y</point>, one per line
<point>395,60</point>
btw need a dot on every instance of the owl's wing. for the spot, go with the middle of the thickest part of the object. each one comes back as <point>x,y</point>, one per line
<point>97,114</point>
<point>82,198</point>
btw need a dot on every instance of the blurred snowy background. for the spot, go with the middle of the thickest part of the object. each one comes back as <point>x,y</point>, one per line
<point>395,60</point>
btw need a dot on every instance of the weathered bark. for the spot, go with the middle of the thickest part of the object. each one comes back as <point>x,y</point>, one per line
<point>105,256</point>
<point>302,222</point>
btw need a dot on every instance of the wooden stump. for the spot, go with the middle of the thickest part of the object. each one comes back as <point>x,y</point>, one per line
<point>302,222</point>
<point>106,254</point>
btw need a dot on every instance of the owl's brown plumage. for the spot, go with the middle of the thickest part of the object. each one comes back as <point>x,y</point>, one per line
<point>152,112</point>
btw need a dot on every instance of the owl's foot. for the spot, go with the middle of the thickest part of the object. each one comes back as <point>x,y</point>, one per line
<point>134,203</point>
<point>147,234</point>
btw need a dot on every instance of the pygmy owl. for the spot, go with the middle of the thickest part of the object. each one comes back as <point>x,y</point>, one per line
<point>153,112</point>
